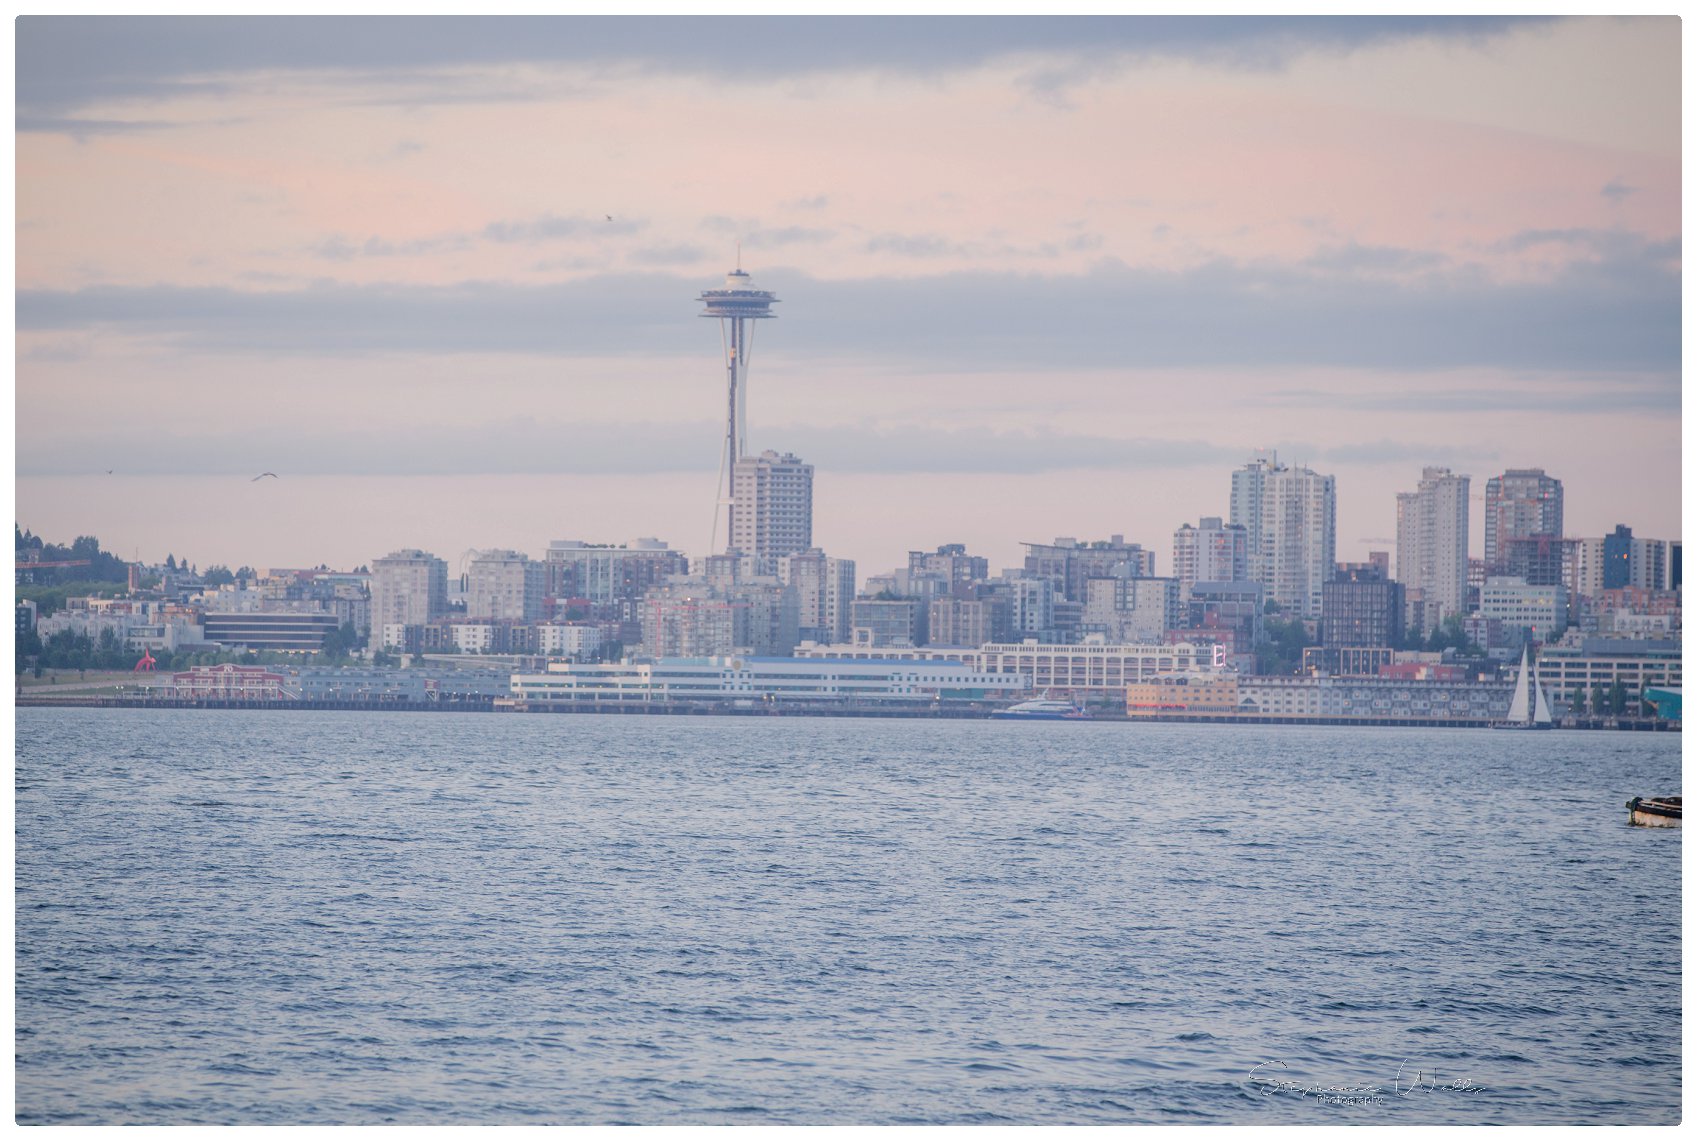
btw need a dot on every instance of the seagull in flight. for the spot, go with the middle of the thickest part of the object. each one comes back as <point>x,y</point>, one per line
<point>262,475</point>
<point>609,217</point>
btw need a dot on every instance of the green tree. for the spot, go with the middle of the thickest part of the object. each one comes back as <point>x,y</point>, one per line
<point>1617,698</point>
<point>1578,702</point>
<point>1599,700</point>
<point>1279,650</point>
<point>218,575</point>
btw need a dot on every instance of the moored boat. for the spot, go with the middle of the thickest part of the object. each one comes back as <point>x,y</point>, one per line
<point>1654,811</point>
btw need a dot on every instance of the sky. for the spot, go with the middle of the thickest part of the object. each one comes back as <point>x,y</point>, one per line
<point>1038,277</point>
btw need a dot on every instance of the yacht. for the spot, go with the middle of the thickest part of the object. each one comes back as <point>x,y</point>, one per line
<point>1043,709</point>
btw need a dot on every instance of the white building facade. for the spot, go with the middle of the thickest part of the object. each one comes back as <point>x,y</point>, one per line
<point>1431,545</point>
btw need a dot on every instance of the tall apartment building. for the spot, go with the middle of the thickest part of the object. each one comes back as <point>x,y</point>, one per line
<point>1212,551</point>
<point>1431,547</point>
<point>824,588</point>
<point>1249,484</point>
<point>967,622</point>
<point>692,618</point>
<point>1072,564</point>
<point>773,511</point>
<point>1541,560</point>
<point>1361,607</point>
<point>612,580</point>
<point>1289,516</point>
<point>951,562</point>
<point>1127,610</point>
<point>408,588</point>
<point>1519,504</point>
<point>1617,557</point>
<point>504,585</point>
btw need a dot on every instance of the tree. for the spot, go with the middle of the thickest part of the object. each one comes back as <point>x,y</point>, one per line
<point>1578,702</point>
<point>218,575</point>
<point>1598,699</point>
<point>1279,651</point>
<point>1617,698</point>
<point>170,562</point>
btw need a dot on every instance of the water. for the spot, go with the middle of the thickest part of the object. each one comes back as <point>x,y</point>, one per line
<point>295,918</point>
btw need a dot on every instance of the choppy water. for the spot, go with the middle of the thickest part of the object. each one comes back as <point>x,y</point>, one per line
<point>340,918</point>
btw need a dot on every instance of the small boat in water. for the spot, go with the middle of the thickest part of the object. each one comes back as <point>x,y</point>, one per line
<point>1654,811</point>
<point>1042,710</point>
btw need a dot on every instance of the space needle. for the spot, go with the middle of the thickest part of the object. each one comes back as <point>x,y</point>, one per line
<point>736,305</point>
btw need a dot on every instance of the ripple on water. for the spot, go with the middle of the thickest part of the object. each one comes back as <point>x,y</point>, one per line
<point>229,918</point>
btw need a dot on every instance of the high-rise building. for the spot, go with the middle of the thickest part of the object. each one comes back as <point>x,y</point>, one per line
<point>1209,552</point>
<point>1289,516</point>
<point>1617,558</point>
<point>1072,564</point>
<point>1249,485</point>
<point>504,585</point>
<point>953,563</point>
<point>824,589</point>
<point>774,506</point>
<point>1649,564</point>
<point>408,588</point>
<point>1541,560</point>
<point>1519,504</point>
<point>693,618</point>
<point>1131,609</point>
<point>1361,607</point>
<point>967,621</point>
<point>1431,547</point>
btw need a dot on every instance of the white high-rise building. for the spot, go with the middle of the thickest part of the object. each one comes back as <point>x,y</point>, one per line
<point>408,588</point>
<point>824,588</point>
<point>1211,552</point>
<point>1289,516</point>
<point>504,585</point>
<point>772,513</point>
<point>1248,486</point>
<point>1431,546</point>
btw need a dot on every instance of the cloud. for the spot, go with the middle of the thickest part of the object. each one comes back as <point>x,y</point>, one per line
<point>83,129</point>
<point>1583,395</point>
<point>785,236</point>
<point>1618,191</point>
<point>339,248</point>
<point>1353,258</point>
<point>550,227</point>
<point>681,254</point>
<point>525,446</point>
<point>1617,311</point>
<point>71,61</point>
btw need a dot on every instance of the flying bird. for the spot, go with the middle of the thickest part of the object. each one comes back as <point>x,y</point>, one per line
<point>262,475</point>
<point>609,217</point>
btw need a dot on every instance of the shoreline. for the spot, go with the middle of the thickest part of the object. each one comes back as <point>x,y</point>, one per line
<point>704,709</point>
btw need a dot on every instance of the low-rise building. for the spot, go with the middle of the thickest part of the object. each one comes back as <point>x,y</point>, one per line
<point>750,679</point>
<point>230,682</point>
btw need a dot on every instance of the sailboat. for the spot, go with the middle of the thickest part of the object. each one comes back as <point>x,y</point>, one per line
<point>1529,709</point>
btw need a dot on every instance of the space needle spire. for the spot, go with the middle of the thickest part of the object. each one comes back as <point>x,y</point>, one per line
<point>735,305</point>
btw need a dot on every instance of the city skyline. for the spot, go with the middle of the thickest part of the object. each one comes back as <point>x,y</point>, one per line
<point>450,286</point>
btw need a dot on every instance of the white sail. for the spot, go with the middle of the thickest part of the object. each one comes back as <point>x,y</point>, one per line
<point>1541,716</point>
<point>1518,708</point>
